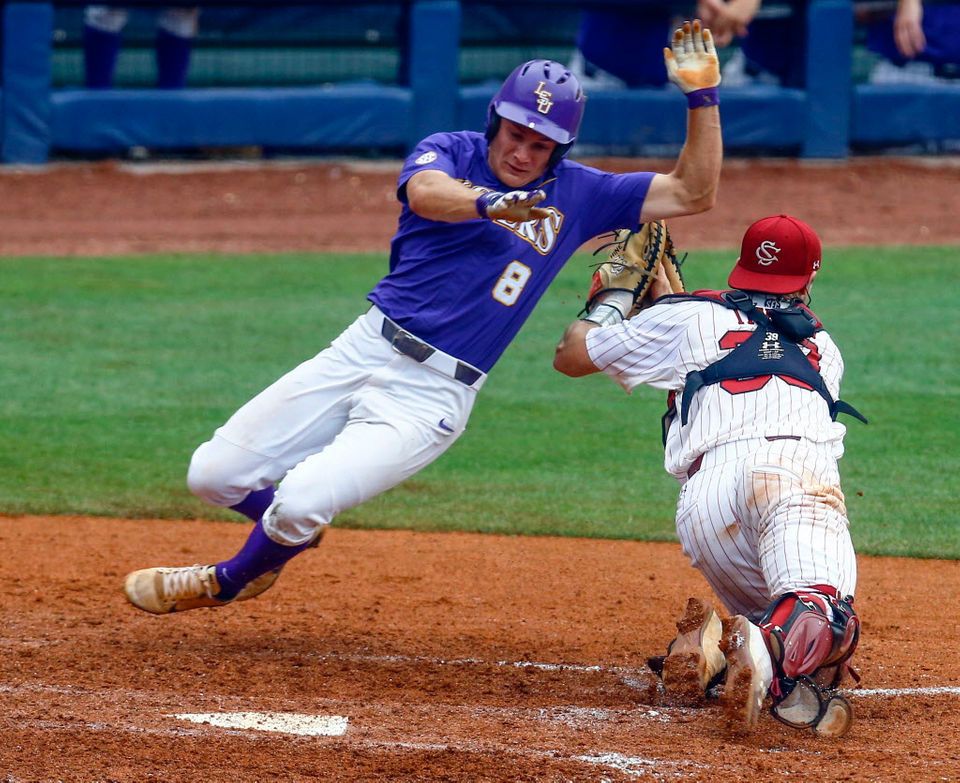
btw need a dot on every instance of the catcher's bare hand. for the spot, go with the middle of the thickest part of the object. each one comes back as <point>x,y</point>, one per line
<point>692,62</point>
<point>661,285</point>
<point>515,205</point>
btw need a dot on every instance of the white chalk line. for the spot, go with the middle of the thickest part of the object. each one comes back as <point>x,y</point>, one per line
<point>940,690</point>
<point>629,676</point>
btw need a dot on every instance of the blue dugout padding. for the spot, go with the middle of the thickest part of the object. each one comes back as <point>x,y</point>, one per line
<point>884,114</point>
<point>821,121</point>
<point>359,116</point>
<point>25,110</point>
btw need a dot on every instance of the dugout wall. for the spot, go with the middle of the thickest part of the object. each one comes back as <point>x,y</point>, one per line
<point>437,85</point>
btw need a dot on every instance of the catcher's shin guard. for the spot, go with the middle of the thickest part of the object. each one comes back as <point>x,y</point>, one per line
<point>811,635</point>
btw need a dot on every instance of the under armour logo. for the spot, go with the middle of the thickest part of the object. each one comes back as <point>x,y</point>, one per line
<point>816,264</point>
<point>767,253</point>
<point>544,104</point>
<point>770,348</point>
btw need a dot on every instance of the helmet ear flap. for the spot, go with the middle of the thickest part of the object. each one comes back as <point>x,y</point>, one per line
<point>493,124</point>
<point>557,155</point>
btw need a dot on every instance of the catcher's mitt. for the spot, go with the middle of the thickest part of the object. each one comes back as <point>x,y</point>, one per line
<point>634,259</point>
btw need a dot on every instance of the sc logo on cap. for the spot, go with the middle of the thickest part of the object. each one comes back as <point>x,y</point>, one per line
<point>767,253</point>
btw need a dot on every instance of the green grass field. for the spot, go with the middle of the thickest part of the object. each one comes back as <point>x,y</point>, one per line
<point>114,370</point>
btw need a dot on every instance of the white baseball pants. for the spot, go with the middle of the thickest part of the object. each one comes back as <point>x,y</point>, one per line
<point>343,427</point>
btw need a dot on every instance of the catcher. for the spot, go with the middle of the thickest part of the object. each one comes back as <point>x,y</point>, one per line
<point>751,435</point>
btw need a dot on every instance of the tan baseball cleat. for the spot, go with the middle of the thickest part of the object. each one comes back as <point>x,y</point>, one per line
<point>165,590</point>
<point>694,658</point>
<point>749,673</point>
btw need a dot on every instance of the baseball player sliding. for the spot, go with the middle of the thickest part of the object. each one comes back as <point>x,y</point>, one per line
<point>488,220</point>
<point>752,436</point>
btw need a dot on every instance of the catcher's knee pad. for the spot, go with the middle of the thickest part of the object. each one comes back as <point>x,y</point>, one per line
<point>810,631</point>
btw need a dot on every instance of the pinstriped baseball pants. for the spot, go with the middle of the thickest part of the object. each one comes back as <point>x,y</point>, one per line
<point>761,518</point>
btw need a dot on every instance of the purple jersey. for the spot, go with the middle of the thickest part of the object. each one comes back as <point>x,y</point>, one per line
<point>467,288</point>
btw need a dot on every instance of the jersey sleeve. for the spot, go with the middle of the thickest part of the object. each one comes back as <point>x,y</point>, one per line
<point>618,199</point>
<point>647,349</point>
<point>436,152</point>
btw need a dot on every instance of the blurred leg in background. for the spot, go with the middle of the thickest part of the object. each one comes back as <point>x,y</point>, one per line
<point>920,42</point>
<point>102,32</point>
<point>626,43</point>
<point>176,29</point>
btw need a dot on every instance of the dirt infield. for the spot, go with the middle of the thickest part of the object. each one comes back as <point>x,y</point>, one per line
<point>429,657</point>
<point>106,209</point>
<point>452,657</point>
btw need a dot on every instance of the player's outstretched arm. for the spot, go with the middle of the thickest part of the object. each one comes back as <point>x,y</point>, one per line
<point>693,65</point>
<point>437,196</point>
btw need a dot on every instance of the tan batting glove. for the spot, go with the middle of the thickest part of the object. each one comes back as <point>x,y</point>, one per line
<point>692,62</point>
<point>516,205</point>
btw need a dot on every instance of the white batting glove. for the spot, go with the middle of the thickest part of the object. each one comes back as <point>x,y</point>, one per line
<point>515,205</point>
<point>692,62</point>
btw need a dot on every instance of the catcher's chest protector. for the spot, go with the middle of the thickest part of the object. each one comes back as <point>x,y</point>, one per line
<point>771,349</point>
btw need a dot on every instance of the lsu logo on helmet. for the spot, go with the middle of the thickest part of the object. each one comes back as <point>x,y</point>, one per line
<point>544,104</point>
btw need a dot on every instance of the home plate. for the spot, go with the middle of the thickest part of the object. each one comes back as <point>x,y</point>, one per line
<point>282,722</point>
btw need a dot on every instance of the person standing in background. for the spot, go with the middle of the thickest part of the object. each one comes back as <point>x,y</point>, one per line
<point>103,27</point>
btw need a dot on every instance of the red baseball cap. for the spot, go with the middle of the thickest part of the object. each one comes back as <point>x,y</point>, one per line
<point>779,254</point>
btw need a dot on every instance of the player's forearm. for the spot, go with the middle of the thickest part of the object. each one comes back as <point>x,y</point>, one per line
<point>692,185</point>
<point>698,165</point>
<point>436,196</point>
<point>692,64</point>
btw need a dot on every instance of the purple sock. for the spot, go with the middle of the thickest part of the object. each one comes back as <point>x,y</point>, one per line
<point>258,555</point>
<point>256,503</point>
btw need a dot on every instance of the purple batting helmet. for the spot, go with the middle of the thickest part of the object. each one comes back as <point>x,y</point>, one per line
<point>543,95</point>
